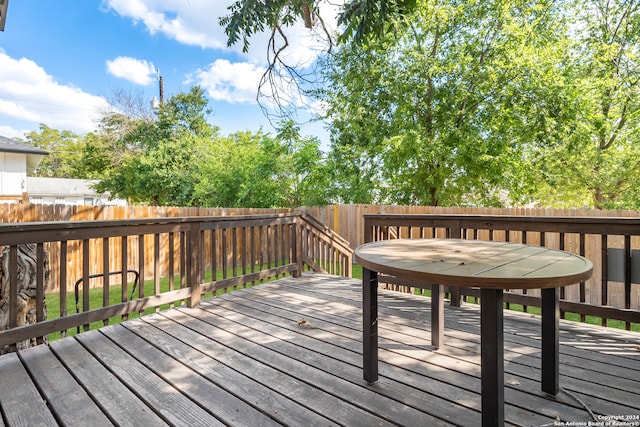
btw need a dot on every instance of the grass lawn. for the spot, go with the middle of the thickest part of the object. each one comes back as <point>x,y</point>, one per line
<point>115,297</point>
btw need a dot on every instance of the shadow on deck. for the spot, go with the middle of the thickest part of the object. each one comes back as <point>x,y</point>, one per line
<point>248,358</point>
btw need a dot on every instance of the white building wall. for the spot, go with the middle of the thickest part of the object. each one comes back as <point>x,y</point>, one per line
<point>13,173</point>
<point>65,191</point>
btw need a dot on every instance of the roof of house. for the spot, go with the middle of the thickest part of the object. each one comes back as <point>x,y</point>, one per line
<point>34,155</point>
<point>8,145</point>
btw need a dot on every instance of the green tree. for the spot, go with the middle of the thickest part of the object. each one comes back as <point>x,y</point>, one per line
<point>438,110</point>
<point>299,171</point>
<point>258,170</point>
<point>286,75</point>
<point>154,161</point>
<point>544,98</point>
<point>66,153</point>
<point>235,172</point>
<point>597,162</point>
<point>359,19</point>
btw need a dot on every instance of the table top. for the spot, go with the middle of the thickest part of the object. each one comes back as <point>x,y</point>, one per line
<point>474,263</point>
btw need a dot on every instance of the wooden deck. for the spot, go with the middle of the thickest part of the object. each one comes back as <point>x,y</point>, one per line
<point>248,358</point>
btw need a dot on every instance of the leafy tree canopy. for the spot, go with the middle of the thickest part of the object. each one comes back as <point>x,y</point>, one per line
<point>258,170</point>
<point>154,161</point>
<point>66,153</point>
<point>457,102</point>
<point>359,19</point>
<point>436,114</point>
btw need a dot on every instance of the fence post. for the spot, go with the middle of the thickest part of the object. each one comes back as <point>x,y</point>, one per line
<point>194,264</point>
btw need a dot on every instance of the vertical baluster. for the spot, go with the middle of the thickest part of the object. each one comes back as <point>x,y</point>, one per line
<point>604,256</point>
<point>252,253</point>
<point>105,276</point>
<point>243,254</point>
<point>13,290</point>
<point>214,255</point>
<point>124,264</point>
<point>627,276</point>
<point>234,254</point>
<point>63,281</point>
<point>269,237</point>
<point>40,287</point>
<point>562,289</point>
<point>583,296</point>
<point>85,279</point>
<point>223,253</point>
<point>141,270</point>
<point>183,259</point>
<point>156,267</point>
<point>194,264</point>
<point>171,266</point>
<point>262,246</point>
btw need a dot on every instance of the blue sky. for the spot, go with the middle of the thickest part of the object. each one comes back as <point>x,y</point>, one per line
<point>60,59</point>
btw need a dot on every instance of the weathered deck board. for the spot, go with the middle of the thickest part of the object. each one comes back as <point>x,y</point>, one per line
<point>19,399</point>
<point>69,402</point>
<point>120,403</point>
<point>610,374</point>
<point>168,401</point>
<point>243,359</point>
<point>459,377</point>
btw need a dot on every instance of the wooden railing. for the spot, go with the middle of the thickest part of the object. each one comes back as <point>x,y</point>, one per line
<point>183,259</point>
<point>612,244</point>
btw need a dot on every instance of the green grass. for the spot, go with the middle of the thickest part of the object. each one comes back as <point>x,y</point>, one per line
<point>115,297</point>
<point>575,317</point>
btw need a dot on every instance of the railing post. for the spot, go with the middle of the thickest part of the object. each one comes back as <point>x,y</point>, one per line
<point>297,245</point>
<point>368,230</point>
<point>194,264</point>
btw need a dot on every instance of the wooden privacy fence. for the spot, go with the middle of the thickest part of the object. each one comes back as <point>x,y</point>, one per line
<point>348,220</point>
<point>30,212</point>
<point>612,244</point>
<point>182,257</point>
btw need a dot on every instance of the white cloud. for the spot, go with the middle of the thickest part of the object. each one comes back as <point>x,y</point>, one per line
<point>195,23</point>
<point>230,82</point>
<point>137,71</point>
<point>29,94</point>
<point>10,132</point>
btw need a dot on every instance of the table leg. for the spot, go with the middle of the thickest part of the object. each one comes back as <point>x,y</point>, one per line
<point>370,325</point>
<point>492,357</point>
<point>550,341</point>
<point>437,315</point>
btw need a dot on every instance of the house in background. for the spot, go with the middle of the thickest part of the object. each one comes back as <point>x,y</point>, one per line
<point>18,160</point>
<point>67,191</point>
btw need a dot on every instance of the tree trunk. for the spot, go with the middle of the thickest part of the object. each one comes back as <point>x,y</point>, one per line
<point>27,273</point>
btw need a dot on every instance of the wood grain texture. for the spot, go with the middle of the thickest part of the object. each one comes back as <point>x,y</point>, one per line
<point>245,358</point>
<point>474,263</point>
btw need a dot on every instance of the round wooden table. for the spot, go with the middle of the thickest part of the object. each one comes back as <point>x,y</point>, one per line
<point>490,266</point>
